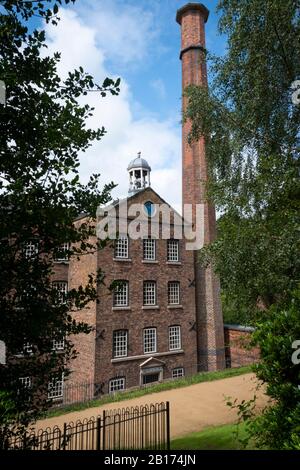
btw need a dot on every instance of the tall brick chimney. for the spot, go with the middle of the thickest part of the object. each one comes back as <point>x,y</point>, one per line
<point>210,332</point>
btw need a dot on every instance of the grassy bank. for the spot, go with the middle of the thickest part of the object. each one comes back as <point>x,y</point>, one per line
<point>213,438</point>
<point>184,382</point>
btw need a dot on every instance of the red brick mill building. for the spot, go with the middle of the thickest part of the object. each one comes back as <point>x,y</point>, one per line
<point>165,320</point>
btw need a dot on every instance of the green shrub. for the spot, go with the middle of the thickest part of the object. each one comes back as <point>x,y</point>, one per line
<point>278,426</point>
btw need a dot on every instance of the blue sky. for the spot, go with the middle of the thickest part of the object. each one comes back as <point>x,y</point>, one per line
<point>140,42</point>
<point>156,81</point>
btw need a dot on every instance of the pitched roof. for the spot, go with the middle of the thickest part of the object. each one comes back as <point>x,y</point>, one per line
<point>117,202</point>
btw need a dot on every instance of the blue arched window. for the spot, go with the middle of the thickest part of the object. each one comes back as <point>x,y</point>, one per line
<point>149,208</point>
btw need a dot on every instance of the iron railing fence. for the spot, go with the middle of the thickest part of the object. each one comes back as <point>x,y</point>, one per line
<point>140,427</point>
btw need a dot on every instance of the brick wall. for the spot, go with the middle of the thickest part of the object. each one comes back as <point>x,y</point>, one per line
<point>83,367</point>
<point>237,350</point>
<point>135,319</point>
<point>60,271</point>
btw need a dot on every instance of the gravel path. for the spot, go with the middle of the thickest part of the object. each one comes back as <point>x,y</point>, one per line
<point>192,408</point>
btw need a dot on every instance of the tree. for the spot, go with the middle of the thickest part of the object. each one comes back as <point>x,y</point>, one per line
<point>278,427</point>
<point>251,126</point>
<point>252,141</point>
<point>42,130</point>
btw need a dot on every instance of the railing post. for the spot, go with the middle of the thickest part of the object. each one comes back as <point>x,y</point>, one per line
<point>142,429</point>
<point>64,443</point>
<point>168,424</point>
<point>98,436</point>
<point>103,430</point>
<point>25,441</point>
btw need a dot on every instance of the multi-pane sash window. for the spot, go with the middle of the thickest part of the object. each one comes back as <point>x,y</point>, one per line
<point>25,381</point>
<point>31,249</point>
<point>121,247</point>
<point>27,348</point>
<point>120,343</point>
<point>56,388</point>
<point>149,293</point>
<point>173,293</point>
<point>62,254</point>
<point>116,384</point>
<point>177,372</point>
<point>149,249</point>
<point>62,290</point>
<point>121,294</point>
<point>174,338</point>
<point>150,340</point>
<point>58,345</point>
<point>173,250</point>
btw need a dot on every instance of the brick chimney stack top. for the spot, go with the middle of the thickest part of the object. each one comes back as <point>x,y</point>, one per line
<point>192,7</point>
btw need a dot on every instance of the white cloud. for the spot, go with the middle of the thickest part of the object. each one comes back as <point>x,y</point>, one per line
<point>159,87</point>
<point>76,41</point>
<point>125,32</point>
<point>158,140</point>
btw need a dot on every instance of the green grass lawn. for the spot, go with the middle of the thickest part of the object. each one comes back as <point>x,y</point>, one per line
<point>184,382</point>
<point>213,438</point>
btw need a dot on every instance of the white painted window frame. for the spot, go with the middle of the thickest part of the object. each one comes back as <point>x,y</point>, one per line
<point>116,384</point>
<point>150,340</point>
<point>149,249</point>
<point>149,293</point>
<point>173,293</point>
<point>122,247</point>
<point>120,343</point>
<point>121,294</point>
<point>174,337</point>
<point>173,250</point>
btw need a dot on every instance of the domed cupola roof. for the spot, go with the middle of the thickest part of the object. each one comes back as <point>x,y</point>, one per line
<point>139,162</point>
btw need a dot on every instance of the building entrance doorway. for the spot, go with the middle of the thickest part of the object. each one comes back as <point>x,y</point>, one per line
<point>151,371</point>
<point>149,378</point>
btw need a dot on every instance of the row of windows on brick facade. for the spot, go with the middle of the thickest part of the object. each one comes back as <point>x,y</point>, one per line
<point>149,249</point>
<point>120,349</point>
<point>56,387</point>
<point>60,289</point>
<point>120,336</point>
<point>121,293</point>
<point>31,250</point>
<point>57,345</point>
<point>120,341</point>
<point>118,384</point>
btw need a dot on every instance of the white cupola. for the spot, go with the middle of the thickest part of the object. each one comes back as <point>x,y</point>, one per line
<point>139,174</point>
